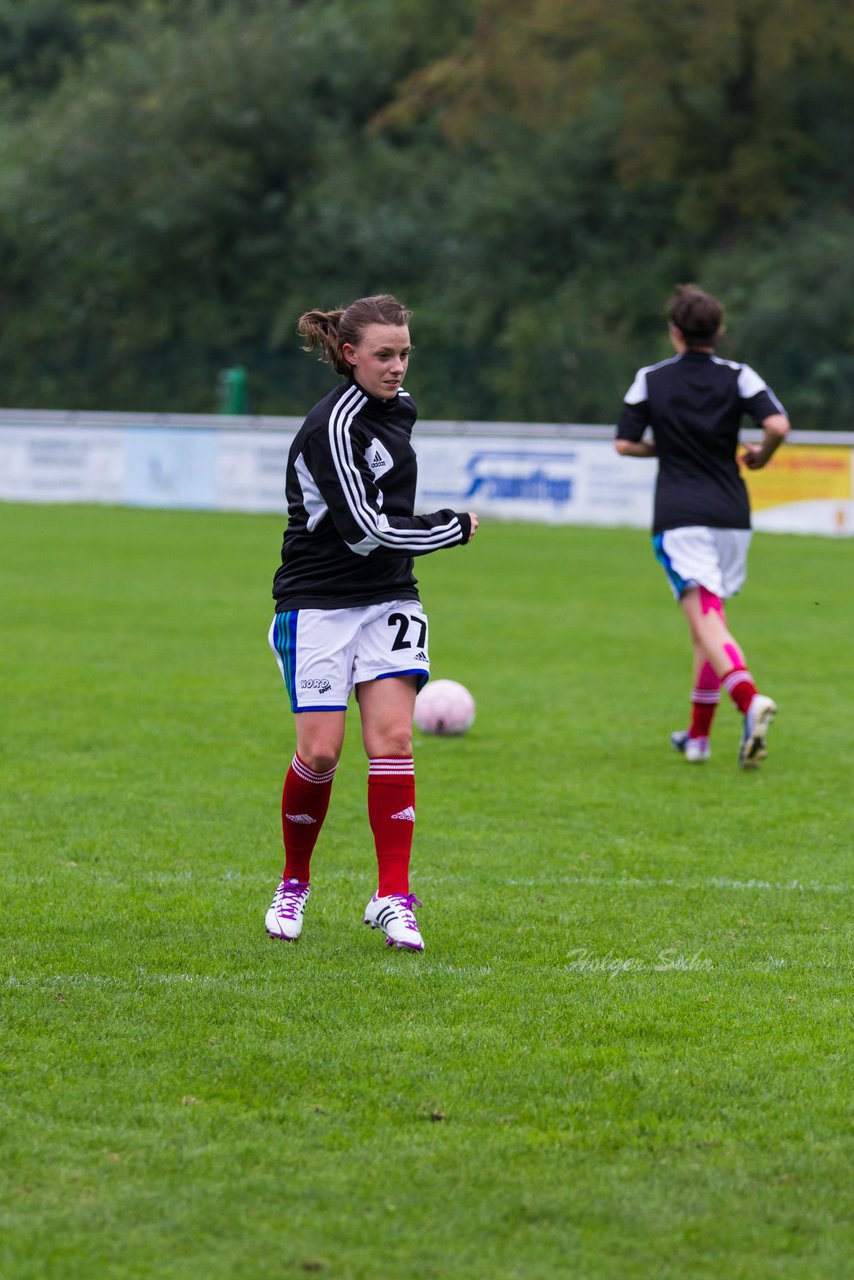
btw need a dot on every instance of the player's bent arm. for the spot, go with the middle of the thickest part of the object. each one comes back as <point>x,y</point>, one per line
<point>776,428</point>
<point>351,499</point>
<point>776,425</point>
<point>635,448</point>
<point>365,529</point>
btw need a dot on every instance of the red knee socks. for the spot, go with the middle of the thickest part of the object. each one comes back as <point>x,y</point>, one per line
<point>740,687</point>
<point>391,812</point>
<point>305,799</point>
<point>704,702</point>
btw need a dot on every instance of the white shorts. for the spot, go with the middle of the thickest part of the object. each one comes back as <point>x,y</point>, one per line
<point>697,556</point>
<point>323,653</point>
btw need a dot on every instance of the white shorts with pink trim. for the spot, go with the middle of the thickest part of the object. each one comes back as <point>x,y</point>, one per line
<point>697,556</point>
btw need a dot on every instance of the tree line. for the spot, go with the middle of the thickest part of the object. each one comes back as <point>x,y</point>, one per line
<point>179,181</point>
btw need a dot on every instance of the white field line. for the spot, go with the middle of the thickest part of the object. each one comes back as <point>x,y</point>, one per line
<point>580,963</point>
<point>729,883</point>
<point>221,981</point>
<point>705,882</point>
<point>606,965</point>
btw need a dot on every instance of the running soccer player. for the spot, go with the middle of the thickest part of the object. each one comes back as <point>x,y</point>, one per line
<point>348,615</point>
<point>693,403</point>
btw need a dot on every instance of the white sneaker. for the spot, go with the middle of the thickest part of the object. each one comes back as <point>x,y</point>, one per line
<point>695,750</point>
<point>757,722</point>
<point>395,916</point>
<point>284,919</point>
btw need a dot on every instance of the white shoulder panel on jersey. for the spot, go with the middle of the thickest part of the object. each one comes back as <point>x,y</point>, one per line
<point>638,392</point>
<point>749,382</point>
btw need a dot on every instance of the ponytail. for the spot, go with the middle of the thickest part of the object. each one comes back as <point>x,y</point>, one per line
<point>329,330</point>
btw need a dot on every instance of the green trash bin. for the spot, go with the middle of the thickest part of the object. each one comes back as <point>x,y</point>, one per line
<point>231,389</point>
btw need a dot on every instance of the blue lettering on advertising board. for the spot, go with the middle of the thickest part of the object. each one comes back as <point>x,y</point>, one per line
<point>521,476</point>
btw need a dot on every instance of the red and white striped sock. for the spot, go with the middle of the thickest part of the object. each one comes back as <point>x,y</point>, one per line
<point>704,702</point>
<point>305,800</point>
<point>740,687</point>
<point>391,812</point>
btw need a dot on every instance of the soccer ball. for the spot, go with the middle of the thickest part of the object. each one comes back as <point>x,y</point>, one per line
<point>444,707</point>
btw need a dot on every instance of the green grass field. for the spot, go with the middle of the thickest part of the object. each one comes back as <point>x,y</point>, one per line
<point>622,1053</point>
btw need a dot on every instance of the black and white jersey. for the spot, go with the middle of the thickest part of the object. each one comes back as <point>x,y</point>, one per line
<point>350,487</point>
<point>694,404</point>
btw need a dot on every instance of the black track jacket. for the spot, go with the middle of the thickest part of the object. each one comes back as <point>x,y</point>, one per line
<point>350,486</point>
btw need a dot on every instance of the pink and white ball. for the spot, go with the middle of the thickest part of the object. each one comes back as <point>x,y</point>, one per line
<point>444,707</point>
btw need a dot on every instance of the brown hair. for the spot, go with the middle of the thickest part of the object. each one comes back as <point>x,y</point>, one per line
<point>329,330</point>
<point>698,315</point>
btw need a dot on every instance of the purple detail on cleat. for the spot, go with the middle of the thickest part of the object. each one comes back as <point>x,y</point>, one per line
<point>289,903</point>
<point>394,914</point>
<point>403,946</point>
<point>284,918</point>
<point>406,903</point>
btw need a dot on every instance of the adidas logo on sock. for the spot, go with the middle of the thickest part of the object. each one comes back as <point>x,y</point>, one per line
<point>405,815</point>
<point>305,818</point>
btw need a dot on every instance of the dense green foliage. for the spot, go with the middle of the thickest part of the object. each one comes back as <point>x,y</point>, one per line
<point>622,1054</point>
<point>179,181</point>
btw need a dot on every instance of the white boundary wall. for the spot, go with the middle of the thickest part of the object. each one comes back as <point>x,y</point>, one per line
<point>547,472</point>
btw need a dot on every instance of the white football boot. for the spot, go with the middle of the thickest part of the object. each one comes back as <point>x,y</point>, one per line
<point>757,721</point>
<point>395,916</point>
<point>284,918</point>
<point>695,750</point>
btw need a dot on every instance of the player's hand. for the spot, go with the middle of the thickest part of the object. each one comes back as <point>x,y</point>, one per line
<point>753,457</point>
<point>473,519</point>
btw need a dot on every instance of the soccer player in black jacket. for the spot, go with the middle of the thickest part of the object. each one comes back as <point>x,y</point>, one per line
<point>348,616</point>
<point>693,404</point>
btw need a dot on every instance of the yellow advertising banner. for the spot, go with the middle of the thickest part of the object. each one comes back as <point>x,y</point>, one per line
<point>801,473</point>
